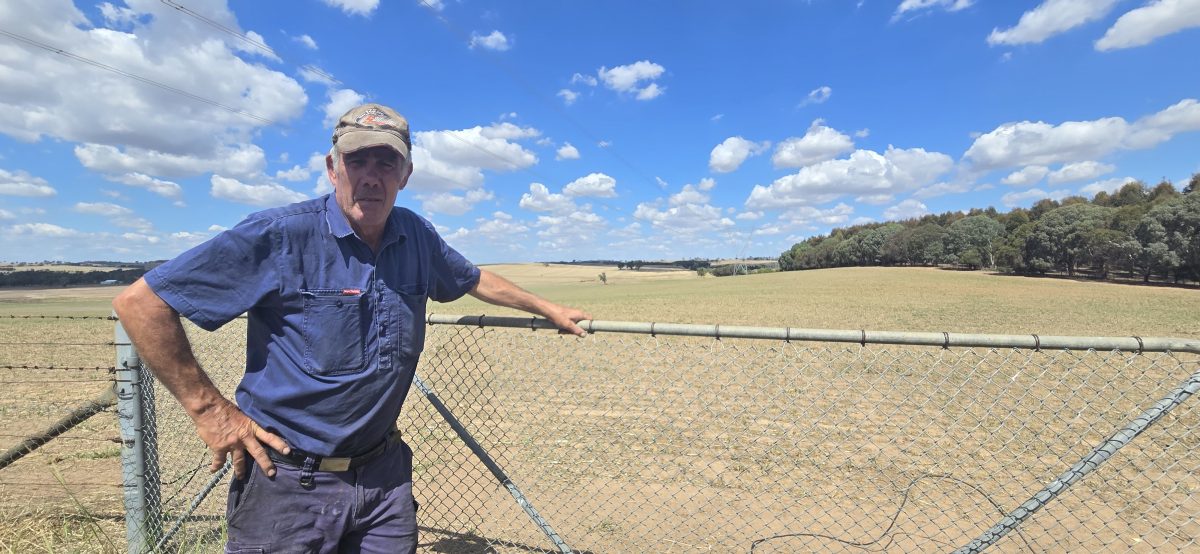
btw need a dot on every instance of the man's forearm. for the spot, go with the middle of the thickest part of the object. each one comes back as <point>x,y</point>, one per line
<point>161,342</point>
<point>497,290</point>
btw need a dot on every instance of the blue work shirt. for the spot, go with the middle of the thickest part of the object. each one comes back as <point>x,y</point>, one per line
<point>334,329</point>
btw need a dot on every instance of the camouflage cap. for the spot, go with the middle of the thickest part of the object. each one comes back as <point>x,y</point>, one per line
<point>372,125</point>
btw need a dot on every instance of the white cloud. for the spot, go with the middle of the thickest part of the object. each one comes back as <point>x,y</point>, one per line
<point>917,5</point>
<point>1156,19</point>
<point>493,41</point>
<point>1159,127</point>
<point>1051,18</point>
<point>165,189</point>
<point>452,160</point>
<point>820,143</point>
<point>117,16</point>
<point>862,133</point>
<point>340,102</point>
<point>818,96</point>
<point>604,144</point>
<point>307,41</point>
<point>109,109</point>
<point>628,78</point>
<point>5,214</point>
<point>1026,176</point>
<point>451,204</point>
<point>1039,143</point>
<point>479,147</point>
<point>596,185</point>
<point>20,183</point>
<point>568,232</point>
<point>1014,199</point>
<point>585,79</point>
<point>314,74</point>
<point>864,173</point>
<point>361,7</point>
<point>567,152</point>
<point>650,92</point>
<point>940,189</point>
<point>690,194</point>
<point>875,199</point>
<point>217,228</point>
<point>41,230</point>
<point>540,199</point>
<point>509,131</point>
<point>242,160</point>
<point>102,208</point>
<point>1107,185</point>
<point>1079,171</point>
<point>807,216</point>
<point>907,209</point>
<point>296,173</point>
<point>264,195</point>
<point>569,96</point>
<point>435,5</point>
<point>683,219</point>
<point>729,155</point>
<point>749,216</point>
<point>717,117</point>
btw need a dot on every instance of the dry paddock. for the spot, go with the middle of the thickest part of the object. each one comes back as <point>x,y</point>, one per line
<point>666,444</point>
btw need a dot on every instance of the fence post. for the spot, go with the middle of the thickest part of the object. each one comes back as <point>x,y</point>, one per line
<point>139,471</point>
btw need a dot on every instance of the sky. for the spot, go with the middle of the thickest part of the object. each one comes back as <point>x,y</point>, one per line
<point>549,130</point>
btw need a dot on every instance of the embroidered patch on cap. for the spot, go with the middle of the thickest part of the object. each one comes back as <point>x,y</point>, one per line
<point>375,117</point>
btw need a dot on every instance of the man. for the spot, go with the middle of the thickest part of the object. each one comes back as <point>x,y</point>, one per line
<point>335,289</point>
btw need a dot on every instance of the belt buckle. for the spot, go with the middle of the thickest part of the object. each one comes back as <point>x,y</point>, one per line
<point>335,464</point>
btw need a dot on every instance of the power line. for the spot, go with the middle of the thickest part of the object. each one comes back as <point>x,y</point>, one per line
<point>233,32</point>
<point>134,76</point>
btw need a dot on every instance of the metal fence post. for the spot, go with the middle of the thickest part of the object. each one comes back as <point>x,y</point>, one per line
<point>138,472</point>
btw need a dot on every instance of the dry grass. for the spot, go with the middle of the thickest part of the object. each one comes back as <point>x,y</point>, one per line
<point>45,514</point>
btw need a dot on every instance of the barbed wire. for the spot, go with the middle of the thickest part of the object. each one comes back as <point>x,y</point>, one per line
<point>109,369</point>
<point>60,437</point>
<point>58,485</point>
<point>98,317</point>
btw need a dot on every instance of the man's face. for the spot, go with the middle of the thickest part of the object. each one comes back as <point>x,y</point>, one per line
<point>365,185</point>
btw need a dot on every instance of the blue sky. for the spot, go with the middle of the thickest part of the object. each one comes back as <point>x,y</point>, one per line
<point>551,130</point>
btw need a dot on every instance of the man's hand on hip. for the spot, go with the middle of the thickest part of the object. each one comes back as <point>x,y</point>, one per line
<point>228,431</point>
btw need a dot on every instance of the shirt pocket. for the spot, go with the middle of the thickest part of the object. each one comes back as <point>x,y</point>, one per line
<point>411,319</point>
<point>334,331</point>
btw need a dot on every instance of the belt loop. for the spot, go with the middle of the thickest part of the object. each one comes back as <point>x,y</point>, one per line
<point>306,472</point>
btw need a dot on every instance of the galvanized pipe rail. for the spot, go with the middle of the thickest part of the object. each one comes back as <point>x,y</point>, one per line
<point>863,337</point>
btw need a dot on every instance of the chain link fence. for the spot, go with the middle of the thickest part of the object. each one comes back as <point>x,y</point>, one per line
<point>654,441</point>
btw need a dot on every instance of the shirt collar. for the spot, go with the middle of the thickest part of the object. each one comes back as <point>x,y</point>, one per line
<point>339,226</point>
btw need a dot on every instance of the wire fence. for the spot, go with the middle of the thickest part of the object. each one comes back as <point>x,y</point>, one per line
<point>60,473</point>
<point>668,438</point>
<point>651,440</point>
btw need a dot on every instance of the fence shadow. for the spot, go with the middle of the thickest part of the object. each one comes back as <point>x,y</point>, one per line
<point>453,542</point>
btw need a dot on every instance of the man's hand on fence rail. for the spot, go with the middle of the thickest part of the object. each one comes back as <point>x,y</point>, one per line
<point>227,431</point>
<point>566,319</point>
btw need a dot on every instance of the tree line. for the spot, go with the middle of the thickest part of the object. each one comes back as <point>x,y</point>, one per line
<point>1135,232</point>
<point>48,278</point>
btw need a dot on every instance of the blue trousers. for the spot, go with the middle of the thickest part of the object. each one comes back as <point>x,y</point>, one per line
<point>369,509</point>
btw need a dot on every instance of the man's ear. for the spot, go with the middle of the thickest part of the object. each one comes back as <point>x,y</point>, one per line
<point>329,170</point>
<point>404,180</point>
